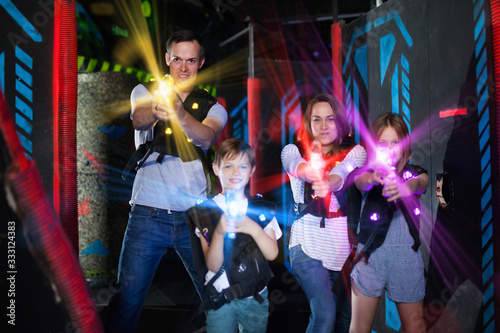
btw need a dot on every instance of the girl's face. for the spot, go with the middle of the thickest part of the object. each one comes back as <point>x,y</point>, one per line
<point>389,140</point>
<point>323,124</point>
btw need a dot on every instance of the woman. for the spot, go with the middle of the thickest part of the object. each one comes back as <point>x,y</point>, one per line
<point>319,242</point>
<point>387,230</point>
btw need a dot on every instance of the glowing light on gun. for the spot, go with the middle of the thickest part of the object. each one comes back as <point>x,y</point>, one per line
<point>316,159</point>
<point>232,211</point>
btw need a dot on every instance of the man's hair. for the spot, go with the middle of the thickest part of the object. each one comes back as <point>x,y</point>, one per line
<point>186,36</point>
<point>397,122</point>
<point>231,148</point>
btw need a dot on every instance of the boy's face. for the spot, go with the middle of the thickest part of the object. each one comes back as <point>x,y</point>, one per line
<point>234,173</point>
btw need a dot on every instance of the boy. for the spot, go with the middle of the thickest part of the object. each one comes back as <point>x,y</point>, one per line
<point>235,246</point>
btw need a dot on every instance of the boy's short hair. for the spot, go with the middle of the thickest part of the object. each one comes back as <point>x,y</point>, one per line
<point>231,148</point>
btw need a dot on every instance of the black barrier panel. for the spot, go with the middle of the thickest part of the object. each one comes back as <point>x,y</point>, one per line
<point>26,73</point>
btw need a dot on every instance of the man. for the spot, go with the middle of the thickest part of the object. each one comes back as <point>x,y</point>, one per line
<point>170,177</point>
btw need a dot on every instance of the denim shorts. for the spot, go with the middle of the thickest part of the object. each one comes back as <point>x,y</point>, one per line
<point>395,268</point>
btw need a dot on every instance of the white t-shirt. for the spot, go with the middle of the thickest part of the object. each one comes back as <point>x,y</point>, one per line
<point>330,244</point>
<point>222,282</point>
<point>172,184</point>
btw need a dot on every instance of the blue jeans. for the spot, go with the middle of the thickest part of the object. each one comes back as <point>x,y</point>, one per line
<point>327,314</point>
<point>247,314</point>
<point>150,232</point>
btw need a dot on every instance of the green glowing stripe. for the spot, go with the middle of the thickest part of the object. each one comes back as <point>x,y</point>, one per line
<point>105,66</point>
<point>92,64</point>
<point>117,68</point>
<point>80,61</point>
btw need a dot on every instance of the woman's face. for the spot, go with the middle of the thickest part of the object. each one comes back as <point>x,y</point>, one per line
<point>389,140</point>
<point>323,124</point>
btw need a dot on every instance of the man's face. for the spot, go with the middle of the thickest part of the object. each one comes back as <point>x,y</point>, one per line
<point>184,63</point>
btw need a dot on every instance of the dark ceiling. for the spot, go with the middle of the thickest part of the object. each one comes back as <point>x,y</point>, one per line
<point>301,26</point>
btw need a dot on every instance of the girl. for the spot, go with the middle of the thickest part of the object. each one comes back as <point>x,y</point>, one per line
<point>387,230</point>
<point>319,242</point>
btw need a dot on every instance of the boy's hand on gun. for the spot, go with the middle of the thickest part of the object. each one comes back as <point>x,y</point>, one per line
<point>243,225</point>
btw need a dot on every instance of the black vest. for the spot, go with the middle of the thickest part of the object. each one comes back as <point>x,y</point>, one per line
<point>320,206</point>
<point>375,219</point>
<point>172,140</point>
<point>246,267</point>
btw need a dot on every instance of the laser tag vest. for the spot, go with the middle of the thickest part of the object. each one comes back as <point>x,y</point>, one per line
<point>376,217</point>
<point>246,267</point>
<point>320,206</point>
<point>168,136</point>
<point>171,137</point>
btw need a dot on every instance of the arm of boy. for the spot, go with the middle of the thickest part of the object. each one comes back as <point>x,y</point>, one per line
<point>214,252</point>
<point>265,238</point>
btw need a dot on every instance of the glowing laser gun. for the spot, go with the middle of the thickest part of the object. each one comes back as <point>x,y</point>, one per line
<point>233,211</point>
<point>316,159</point>
<point>165,88</point>
<point>386,157</point>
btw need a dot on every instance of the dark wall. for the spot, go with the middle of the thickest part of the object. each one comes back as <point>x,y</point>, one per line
<point>419,58</point>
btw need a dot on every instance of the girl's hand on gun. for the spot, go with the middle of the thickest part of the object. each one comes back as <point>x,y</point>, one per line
<point>320,188</point>
<point>313,174</point>
<point>395,189</point>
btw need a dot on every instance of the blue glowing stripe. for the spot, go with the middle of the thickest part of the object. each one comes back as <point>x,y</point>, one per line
<point>361,60</point>
<point>19,18</point>
<point>486,176</point>
<point>24,90</point>
<point>405,79</point>
<point>23,123</point>
<point>484,159</point>
<point>355,91</point>
<point>488,273</point>
<point>358,32</point>
<point>479,31</point>
<point>488,313</point>
<point>491,327</point>
<point>488,255</point>
<point>2,71</point>
<point>391,314</point>
<point>395,90</point>
<point>24,75</point>
<point>24,58</point>
<point>239,107</point>
<point>488,293</point>
<point>478,8</point>
<point>24,108</point>
<point>406,66</point>
<point>25,142</point>
<point>387,44</point>
<point>481,63</point>
<point>488,215</point>
<point>406,93</point>
<point>486,198</point>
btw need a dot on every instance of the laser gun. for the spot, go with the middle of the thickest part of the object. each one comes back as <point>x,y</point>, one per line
<point>316,158</point>
<point>165,88</point>
<point>233,211</point>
